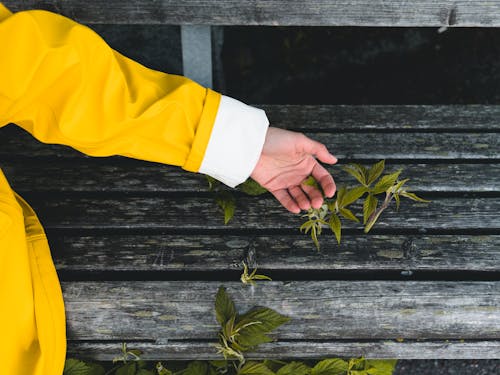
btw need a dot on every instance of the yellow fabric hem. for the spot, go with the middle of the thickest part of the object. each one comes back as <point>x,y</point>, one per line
<point>203,132</point>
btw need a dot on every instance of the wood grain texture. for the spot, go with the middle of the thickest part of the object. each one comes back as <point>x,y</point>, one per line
<point>253,213</point>
<point>397,145</point>
<point>434,13</point>
<point>378,117</point>
<point>269,253</point>
<point>333,118</point>
<point>187,350</point>
<point>126,176</point>
<point>320,310</point>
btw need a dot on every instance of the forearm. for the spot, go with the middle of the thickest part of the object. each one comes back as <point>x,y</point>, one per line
<point>62,83</point>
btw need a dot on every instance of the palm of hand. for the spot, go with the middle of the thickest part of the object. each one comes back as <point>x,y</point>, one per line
<point>287,159</point>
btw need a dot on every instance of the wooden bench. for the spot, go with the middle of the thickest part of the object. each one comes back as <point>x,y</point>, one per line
<point>141,248</point>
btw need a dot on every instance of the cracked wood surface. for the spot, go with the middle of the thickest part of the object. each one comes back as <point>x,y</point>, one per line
<point>395,145</point>
<point>430,13</point>
<point>319,310</point>
<point>119,175</point>
<point>269,253</point>
<point>155,231</point>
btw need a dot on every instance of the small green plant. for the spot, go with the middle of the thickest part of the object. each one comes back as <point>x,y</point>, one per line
<point>127,363</point>
<point>243,332</point>
<point>247,278</point>
<point>238,334</point>
<point>225,198</point>
<point>371,184</point>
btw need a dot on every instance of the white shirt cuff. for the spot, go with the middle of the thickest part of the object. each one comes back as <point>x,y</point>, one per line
<point>236,142</point>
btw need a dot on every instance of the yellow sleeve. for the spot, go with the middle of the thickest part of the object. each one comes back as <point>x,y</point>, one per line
<point>62,83</point>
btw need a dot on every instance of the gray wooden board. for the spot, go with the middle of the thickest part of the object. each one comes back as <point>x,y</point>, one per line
<point>397,145</point>
<point>199,213</point>
<point>390,117</point>
<point>186,350</point>
<point>277,12</point>
<point>215,253</point>
<point>121,175</point>
<point>320,310</point>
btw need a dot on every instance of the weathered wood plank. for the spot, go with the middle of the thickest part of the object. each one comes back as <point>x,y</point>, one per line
<point>337,118</point>
<point>277,12</point>
<point>128,176</point>
<point>391,117</point>
<point>187,350</point>
<point>374,253</point>
<point>398,145</point>
<point>253,213</point>
<point>326,310</point>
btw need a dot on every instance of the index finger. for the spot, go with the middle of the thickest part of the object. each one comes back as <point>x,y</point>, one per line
<point>324,179</point>
<point>319,150</point>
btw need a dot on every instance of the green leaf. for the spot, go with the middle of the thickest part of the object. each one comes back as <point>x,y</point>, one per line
<point>227,202</point>
<point>268,319</point>
<point>250,278</point>
<point>400,184</point>
<point>386,182</point>
<point>146,372</point>
<point>76,367</point>
<point>311,181</point>
<point>314,225</point>
<point>380,367</point>
<point>369,206</point>
<point>357,171</point>
<point>224,307</point>
<point>352,195</point>
<point>334,366</point>
<point>375,171</point>
<point>336,226</point>
<point>127,369</point>
<point>261,277</point>
<point>252,187</point>
<point>413,197</point>
<point>219,363</point>
<point>162,370</point>
<point>96,369</point>
<point>398,201</point>
<point>347,213</point>
<point>228,330</point>
<point>294,368</point>
<point>196,368</point>
<point>341,191</point>
<point>273,364</point>
<point>356,364</point>
<point>251,337</point>
<point>255,368</point>
<point>212,183</point>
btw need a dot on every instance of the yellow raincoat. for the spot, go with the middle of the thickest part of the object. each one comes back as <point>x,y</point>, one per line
<point>62,83</point>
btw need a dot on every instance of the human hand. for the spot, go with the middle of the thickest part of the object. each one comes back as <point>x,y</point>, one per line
<point>287,159</point>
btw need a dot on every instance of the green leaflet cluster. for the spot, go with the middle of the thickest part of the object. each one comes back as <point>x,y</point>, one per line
<point>238,333</point>
<point>334,366</point>
<point>241,333</point>
<point>372,183</point>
